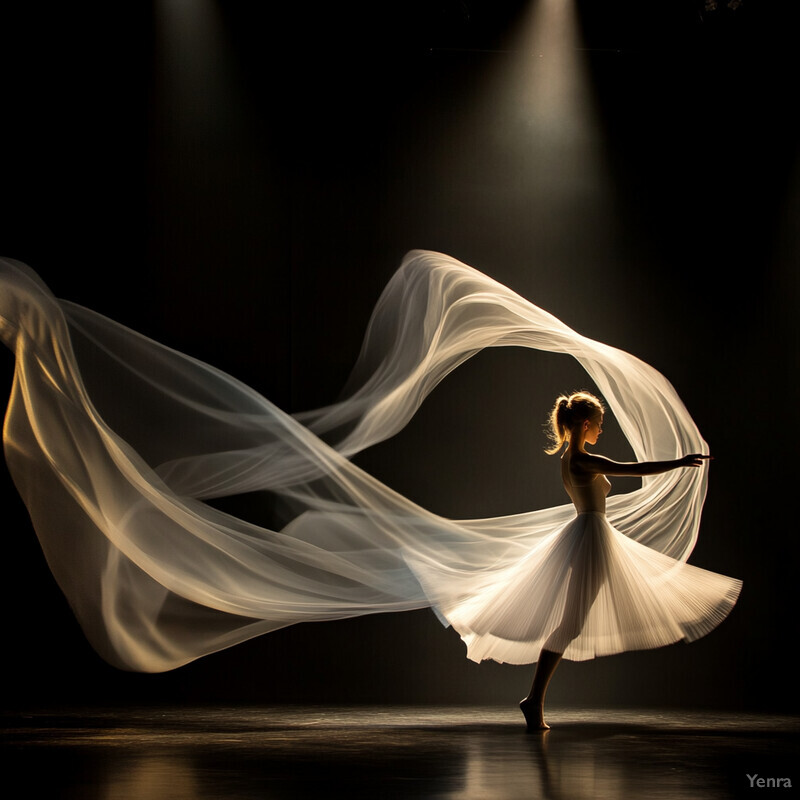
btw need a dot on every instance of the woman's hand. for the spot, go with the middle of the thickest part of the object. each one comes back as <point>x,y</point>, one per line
<point>693,460</point>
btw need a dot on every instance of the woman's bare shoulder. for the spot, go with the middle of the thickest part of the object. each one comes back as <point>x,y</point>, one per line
<point>583,463</point>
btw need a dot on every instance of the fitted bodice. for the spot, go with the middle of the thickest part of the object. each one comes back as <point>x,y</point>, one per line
<point>587,493</point>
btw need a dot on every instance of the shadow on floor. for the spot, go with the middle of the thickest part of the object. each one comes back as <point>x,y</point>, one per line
<point>242,753</point>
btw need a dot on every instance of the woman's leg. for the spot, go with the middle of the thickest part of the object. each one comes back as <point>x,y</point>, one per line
<point>533,705</point>
<point>579,601</point>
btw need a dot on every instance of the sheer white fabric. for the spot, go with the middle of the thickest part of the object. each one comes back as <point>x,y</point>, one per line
<point>586,591</point>
<point>116,442</point>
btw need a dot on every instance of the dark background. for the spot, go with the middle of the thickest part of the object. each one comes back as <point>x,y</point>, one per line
<point>239,180</point>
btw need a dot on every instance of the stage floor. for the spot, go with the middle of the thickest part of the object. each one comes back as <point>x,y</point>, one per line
<point>397,752</point>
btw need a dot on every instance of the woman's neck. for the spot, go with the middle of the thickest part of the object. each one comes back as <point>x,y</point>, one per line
<point>577,442</point>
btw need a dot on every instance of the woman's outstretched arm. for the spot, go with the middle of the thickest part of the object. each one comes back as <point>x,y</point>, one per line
<point>592,464</point>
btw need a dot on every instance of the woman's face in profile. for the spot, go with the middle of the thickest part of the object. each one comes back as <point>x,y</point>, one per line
<point>594,429</point>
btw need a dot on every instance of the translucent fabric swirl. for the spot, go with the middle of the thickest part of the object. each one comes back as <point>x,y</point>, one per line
<point>116,442</point>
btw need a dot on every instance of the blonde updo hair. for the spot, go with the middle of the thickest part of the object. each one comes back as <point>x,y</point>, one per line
<point>568,412</point>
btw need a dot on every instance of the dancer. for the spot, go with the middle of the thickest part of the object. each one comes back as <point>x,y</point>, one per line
<point>576,421</point>
<point>116,442</point>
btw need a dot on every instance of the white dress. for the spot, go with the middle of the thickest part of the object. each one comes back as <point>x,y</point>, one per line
<point>116,442</point>
<point>588,590</point>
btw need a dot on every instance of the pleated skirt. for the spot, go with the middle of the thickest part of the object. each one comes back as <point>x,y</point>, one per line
<point>587,590</point>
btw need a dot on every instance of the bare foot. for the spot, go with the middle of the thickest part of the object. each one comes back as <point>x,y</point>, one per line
<point>534,717</point>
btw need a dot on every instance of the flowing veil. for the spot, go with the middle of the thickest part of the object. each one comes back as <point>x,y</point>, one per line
<point>116,443</point>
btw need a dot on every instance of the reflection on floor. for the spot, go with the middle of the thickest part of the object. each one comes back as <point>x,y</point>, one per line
<point>402,752</point>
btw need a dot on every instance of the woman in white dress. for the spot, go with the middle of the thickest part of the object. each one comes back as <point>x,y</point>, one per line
<point>577,421</point>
